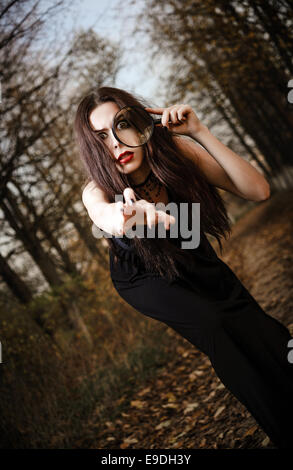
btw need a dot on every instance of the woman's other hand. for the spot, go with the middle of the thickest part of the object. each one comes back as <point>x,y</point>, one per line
<point>179,118</point>
<point>144,212</point>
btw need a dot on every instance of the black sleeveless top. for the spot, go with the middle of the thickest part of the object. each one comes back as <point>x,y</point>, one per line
<point>210,277</point>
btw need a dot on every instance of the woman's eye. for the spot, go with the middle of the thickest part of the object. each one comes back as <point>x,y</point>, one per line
<point>103,135</point>
<point>122,125</point>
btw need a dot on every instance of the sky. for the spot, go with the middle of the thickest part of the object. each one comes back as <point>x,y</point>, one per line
<point>112,19</point>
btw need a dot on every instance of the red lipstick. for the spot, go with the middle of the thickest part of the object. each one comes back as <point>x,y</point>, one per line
<point>127,158</point>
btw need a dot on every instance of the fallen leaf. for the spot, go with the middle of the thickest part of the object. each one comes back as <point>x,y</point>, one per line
<point>130,440</point>
<point>219,411</point>
<point>164,424</point>
<point>251,431</point>
<point>170,405</point>
<point>138,403</point>
<point>144,391</point>
<point>170,396</point>
<point>203,442</point>
<point>211,395</point>
<point>190,407</point>
<point>265,442</point>
<point>220,387</point>
<point>192,376</point>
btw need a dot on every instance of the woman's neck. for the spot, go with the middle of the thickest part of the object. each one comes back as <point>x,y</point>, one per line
<point>143,183</point>
<point>140,175</point>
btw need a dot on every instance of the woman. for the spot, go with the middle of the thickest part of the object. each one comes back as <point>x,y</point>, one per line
<point>191,290</point>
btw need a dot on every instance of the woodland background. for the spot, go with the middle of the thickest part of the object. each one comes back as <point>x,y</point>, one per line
<point>73,353</point>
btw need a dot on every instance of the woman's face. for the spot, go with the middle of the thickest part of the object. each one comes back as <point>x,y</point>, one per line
<point>101,119</point>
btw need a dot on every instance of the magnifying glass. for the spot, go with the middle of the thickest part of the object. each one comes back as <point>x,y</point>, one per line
<point>133,126</point>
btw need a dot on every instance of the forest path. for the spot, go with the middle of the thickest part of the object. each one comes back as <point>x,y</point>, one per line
<point>185,405</point>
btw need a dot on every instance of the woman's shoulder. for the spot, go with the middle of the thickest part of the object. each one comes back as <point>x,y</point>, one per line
<point>91,191</point>
<point>88,185</point>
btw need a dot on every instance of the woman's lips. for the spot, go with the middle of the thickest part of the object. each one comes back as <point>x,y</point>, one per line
<point>126,159</point>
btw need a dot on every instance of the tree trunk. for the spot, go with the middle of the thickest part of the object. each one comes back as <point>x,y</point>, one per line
<point>19,288</point>
<point>31,242</point>
<point>89,240</point>
<point>40,223</point>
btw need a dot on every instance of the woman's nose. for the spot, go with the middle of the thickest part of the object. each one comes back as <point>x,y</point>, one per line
<point>115,143</point>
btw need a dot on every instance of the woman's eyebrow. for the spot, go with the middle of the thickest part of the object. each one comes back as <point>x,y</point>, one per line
<point>100,130</point>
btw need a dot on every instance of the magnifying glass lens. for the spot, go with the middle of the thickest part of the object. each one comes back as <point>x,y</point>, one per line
<point>133,126</point>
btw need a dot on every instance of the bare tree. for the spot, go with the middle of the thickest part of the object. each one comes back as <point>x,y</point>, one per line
<point>40,190</point>
<point>237,58</point>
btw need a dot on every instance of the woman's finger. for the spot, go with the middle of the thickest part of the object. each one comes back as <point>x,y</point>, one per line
<point>161,217</point>
<point>181,116</point>
<point>174,116</point>
<point>129,196</point>
<point>172,219</point>
<point>165,218</point>
<point>165,118</point>
<point>183,111</point>
<point>155,110</point>
<point>151,216</point>
<point>120,217</point>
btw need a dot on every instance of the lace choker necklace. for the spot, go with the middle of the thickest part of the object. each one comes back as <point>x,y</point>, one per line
<point>144,182</point>
<point>152,184</point>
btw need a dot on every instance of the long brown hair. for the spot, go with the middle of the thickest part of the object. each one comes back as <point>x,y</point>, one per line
<point>181,176</point>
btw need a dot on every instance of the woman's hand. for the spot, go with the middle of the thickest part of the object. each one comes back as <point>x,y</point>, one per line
<point>144,211</point>
<point>183,119</point>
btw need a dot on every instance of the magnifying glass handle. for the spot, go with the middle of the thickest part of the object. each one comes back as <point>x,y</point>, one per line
<point>158,121</point>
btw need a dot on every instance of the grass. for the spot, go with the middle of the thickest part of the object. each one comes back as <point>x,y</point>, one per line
<point>53,397</point>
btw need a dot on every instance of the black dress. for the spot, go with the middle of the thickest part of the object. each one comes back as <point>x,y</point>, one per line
<point>212,309</point>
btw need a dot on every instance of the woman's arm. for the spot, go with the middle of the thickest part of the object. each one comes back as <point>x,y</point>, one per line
<point>221,166</point>
<point>100,210</point>
<point>212,170</point>
<point>247,181</point>
<point>117,217</point>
